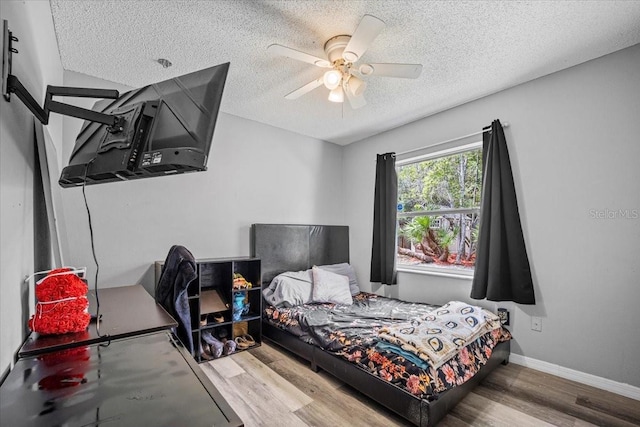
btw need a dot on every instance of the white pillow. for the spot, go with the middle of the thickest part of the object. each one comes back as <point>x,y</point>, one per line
<point>330,287</point>
<point>289,289</point>
<point>344,269</point>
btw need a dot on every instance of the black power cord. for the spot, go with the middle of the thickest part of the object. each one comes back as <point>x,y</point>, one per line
<point>93,249</point>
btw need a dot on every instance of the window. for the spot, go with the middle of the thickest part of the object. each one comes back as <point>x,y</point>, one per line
<point>439,210</point>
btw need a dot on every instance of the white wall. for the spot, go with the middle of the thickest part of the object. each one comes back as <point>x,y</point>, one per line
<point>574,142</point>
<point>36,65</point>
<point>256,173</point>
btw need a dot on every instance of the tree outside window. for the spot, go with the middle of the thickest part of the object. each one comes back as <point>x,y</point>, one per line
<point>439,210</point>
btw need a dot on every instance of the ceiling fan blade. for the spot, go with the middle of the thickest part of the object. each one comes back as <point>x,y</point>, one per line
<point>304,89</point>
<point>278,49</point>
<point>355,101</point>
<point>368,29</point>
<point>405,71</point>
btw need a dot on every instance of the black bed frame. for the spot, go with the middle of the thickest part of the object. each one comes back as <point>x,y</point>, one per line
<point>282,247</point>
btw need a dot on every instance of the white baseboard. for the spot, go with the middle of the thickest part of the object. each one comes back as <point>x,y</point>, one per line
<point>622,389</point>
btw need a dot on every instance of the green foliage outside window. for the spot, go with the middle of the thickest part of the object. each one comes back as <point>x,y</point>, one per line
<point>447,190</point>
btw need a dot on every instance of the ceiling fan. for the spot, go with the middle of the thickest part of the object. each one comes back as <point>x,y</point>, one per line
<point>344,76</point>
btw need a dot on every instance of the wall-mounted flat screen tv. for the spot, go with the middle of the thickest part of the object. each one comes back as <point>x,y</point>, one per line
<point>162,129</point>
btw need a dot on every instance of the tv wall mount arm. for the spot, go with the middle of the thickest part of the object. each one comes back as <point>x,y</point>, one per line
<point>11,84</point>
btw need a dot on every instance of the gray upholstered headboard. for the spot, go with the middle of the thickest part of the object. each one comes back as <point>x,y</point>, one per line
<point>290,247</point>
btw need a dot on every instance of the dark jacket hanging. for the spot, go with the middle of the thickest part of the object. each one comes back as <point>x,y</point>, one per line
<point>383,251</point>
<point>178,272</point>
<point>502,271</point>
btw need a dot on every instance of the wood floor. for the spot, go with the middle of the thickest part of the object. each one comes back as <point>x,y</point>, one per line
<point>268,386</point>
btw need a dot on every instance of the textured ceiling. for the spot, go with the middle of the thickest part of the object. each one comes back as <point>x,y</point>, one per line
<point>468,50</point>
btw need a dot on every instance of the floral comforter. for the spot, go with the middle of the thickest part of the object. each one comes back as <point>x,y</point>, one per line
<point>352,333</point>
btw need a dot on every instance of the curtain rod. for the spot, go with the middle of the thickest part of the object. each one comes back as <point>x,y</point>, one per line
<point>504,125</point>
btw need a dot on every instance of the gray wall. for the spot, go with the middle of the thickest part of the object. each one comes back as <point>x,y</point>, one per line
<point>36,65</point>
<point>256,173</point>
<point>574,142</point>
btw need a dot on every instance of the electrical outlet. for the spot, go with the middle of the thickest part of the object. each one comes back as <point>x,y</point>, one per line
<point>503,314</point>
<point>536,324</point>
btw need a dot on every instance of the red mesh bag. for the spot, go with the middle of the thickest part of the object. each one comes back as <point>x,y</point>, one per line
<point>62,305</point>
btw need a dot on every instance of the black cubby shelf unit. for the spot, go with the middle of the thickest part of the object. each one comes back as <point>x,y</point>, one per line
<point>211,296</point>
<point>213,310</point>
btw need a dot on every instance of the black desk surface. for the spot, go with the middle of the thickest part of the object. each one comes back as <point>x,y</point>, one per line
<point>146,380</point>
<point>125,311</point>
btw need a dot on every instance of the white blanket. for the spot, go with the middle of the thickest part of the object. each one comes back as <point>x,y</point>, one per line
<point>438,336</point>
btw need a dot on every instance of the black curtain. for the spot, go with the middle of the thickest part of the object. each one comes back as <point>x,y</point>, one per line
<point>383,251</point>
<point>502,270</point>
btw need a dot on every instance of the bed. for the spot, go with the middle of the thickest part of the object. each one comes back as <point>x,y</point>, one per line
<point>350,352</point>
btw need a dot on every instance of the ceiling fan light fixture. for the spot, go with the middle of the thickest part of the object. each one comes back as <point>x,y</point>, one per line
<point>336,95</point>
<point>332,79</point>
<point>356,86</point>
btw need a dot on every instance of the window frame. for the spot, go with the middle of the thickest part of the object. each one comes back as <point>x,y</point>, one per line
<point>434,270</point>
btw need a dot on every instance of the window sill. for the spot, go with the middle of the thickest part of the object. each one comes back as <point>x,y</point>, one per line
<point>433,272</point>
